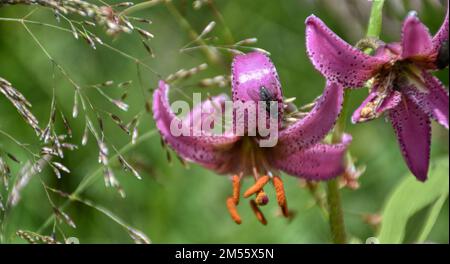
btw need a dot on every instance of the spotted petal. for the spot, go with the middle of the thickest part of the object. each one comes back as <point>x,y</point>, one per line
<point>319,162</point>
<point>434,102</point>
<point>442,34</point>
<point>316,125</point>
<point>416,38</point>
<point>210,151</point>
<point>413,130</point>
<point>254,79</point>
<point>252,71</point>
<point>336,59</point>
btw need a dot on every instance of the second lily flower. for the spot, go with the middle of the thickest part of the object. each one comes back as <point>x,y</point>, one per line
<point>403,86</point>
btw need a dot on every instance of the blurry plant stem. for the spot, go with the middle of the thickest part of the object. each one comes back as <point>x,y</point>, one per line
<point>336,218</point>
<point>140,7</point>
<point>101,209</point>
<point>210,53</point>
<point>89,180</point>
<point>228,35</point>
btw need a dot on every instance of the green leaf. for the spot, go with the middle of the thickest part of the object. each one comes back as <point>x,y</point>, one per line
<point>432,217</point>
<point>411,196</point>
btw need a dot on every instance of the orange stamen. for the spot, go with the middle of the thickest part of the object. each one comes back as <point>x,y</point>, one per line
<point>236,189</point>
<point>259,184</point>
<point>261,198</point>
<point>281,197</point>
<point>258,212</point>
<point>233,211</point>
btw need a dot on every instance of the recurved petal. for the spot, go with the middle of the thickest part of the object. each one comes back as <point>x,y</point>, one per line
<point>316,125</point>
<point>375,105</point>
<point>413,130</point>
<point>434,102</point>
<point>416,38</point>
<point>209,151</point>
<point>336,59</point>
<point>252,71</point>
<point>318,162</point>
<point>442,35</point>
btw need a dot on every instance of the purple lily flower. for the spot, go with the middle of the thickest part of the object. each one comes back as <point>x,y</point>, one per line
<point>298,152</point>
<point>402,86</point>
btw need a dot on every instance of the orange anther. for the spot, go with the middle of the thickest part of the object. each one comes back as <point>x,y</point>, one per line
<point>261,198</point>
<point>258,212</point>
<point>236,189</point>
<point>233,211</point>
<point>259,184</point>
<point>281,197</point>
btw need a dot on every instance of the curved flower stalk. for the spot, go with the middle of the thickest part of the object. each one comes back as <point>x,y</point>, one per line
<point>298,151</point>
<point>401,81</point>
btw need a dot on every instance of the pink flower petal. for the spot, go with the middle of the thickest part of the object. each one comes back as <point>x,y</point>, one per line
<point>250,72</point>
<point>435,102</point>
<point>336,59</point>
<point>209,151</point>
<point>413,130</point>
<point>316,125</point>
<point>416,38</point>
<point>442,34</point>
<point>319,162</point>
<point>255,79</point>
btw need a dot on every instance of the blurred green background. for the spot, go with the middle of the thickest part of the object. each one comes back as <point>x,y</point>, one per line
<point>172,204</point>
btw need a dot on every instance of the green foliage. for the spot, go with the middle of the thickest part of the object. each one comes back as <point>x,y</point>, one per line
<point>410,197</point>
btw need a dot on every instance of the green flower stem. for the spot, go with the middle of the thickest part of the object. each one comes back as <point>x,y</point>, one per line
<point>376,18</point>
<point>336,219</point>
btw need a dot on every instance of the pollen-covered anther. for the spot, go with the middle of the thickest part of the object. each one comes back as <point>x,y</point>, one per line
<point>281,197</point>
<point>259,184</point>
<point>233,211</point>
<point>236,188</point>
<point>368,111</point>
<point>258,212</point>
<point>261,198</point>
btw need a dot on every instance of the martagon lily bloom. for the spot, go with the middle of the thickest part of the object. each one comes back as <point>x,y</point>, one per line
<point>402,84</point>
<point>299,150</point>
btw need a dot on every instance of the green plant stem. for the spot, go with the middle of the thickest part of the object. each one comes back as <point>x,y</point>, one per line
<point>336,219</point>
<point>228,35</point>
<point>376,19</point>
<point>336,216</point>
<point>210,53</point>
